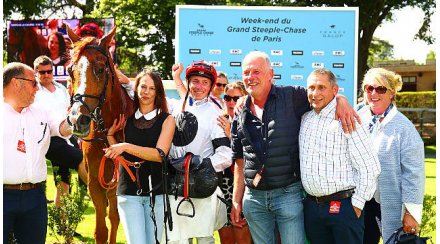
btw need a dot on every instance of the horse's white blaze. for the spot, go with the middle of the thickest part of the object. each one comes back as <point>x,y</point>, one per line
<point>83,63</point>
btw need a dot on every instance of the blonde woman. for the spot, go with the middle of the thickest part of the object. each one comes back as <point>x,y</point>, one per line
<point>399,196</point>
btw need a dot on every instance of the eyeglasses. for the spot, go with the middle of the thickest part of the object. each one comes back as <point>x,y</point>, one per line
<point>220,85</point>
<point>34,82</point>
<point>379,89</point>
<point>229,98</point>
<point>42,72</point>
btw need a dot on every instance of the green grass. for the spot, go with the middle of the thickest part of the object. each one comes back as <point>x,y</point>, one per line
<point>87,226</point>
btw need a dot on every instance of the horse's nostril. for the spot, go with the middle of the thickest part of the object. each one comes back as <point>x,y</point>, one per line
<point>84,120</point>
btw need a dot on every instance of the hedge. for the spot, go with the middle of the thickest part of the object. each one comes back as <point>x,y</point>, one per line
<point>425,99</point>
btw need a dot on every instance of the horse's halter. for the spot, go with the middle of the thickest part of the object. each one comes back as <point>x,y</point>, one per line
<point>96,113</point>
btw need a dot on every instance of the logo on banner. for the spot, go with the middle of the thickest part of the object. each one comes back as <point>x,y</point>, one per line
<point>296,77</point>
<point>215,51</point>
<point>332,32</point>
<point>276,52</point>
<point>341,89</point>
<point>235,51</point>
<point>339,78</point>
<point>317,53</point>
<point>215,63</point>
<point>195,51</point>
<point>338,53</point>
<point>234,76</point>
<point>317,65</point>
<point>277,64</point>
<point>277,77</point>
<point>338,65</point>
<point>235,64</point>
<point>297,52</point>
<point>200,30</point>
<point>296,65</point>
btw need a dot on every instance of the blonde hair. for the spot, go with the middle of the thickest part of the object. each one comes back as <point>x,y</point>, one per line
<point>384,77</point>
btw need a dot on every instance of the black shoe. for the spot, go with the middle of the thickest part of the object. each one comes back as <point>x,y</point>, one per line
<point>49,201</point>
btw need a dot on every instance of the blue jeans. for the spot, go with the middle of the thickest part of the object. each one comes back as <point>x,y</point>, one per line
<point>25,214</point>
<point>135,213</point>
<point>282,207</point>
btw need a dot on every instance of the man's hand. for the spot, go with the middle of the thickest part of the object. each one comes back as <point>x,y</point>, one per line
<point>410,225</point>
<point>177,70</point>
<point>357,211</point>
<point>236,218</point>
<point>346,114</point>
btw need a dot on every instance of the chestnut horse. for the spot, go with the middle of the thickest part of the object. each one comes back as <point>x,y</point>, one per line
<point>97,99</point>
<point>25,45</point>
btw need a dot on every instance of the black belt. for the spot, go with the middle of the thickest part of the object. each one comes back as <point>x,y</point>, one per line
<point>333,197</point>
<point>23,186</point>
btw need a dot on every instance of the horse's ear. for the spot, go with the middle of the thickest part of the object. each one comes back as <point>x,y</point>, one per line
<point>72,34</point>
<point>106,40</point>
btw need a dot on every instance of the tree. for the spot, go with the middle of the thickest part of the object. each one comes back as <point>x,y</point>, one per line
<point>379,50</point>
<point>430,55</point>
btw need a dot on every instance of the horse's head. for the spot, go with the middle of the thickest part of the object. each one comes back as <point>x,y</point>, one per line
<point>91,79</point>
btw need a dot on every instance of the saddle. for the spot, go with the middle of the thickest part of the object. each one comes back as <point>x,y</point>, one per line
<point>192,177</point>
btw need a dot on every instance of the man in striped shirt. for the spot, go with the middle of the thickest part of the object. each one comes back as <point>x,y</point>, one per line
<point>339,171</point>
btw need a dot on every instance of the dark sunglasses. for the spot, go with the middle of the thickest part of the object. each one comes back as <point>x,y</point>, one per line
<point>34,82</point>
<point>229,98</point>
<point>42,72</point>
<point>379,89</point>
<point>220,85</point>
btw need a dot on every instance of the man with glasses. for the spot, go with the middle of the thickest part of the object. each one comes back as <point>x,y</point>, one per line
<point>338,171</point>
<point>27,129</point>
<point>53,96</point>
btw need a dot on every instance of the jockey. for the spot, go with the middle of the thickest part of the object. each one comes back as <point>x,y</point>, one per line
<point>197,132</point>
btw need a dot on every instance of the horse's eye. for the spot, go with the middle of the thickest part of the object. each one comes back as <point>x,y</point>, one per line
<point>98,70</point>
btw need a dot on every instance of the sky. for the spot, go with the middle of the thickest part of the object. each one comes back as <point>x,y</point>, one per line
<point>401,32</point>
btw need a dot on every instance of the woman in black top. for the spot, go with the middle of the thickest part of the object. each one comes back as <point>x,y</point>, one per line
<point>150,127</point>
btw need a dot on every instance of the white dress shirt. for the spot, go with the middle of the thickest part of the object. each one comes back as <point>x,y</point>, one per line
<point>34,126</point>
<point>57,101</point>
<point>332,161</point>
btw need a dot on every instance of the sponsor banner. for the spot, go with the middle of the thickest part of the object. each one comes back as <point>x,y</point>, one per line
<point>223,35</point>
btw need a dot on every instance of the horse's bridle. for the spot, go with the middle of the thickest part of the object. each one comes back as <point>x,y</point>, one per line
<point>96,113</point>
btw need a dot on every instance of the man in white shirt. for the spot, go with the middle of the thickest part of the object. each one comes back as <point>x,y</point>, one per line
<point>27,129</point>
<point>198,132</point>
<point>54,96</point>
<point>339,171</point>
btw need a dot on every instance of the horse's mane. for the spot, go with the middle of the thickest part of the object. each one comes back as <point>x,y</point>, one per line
<point>79,46</point>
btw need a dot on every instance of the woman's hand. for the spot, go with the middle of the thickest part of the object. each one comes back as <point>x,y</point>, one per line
<point>225,124</point>
<point>115,150</point>
<point>117,125</point>
<point>410,225</point>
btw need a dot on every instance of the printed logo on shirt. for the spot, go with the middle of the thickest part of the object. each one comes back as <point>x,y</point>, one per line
<point>335,206</point>
<point>21,147</point>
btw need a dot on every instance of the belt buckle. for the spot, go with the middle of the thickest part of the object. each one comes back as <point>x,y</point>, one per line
<point>21,186</point>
